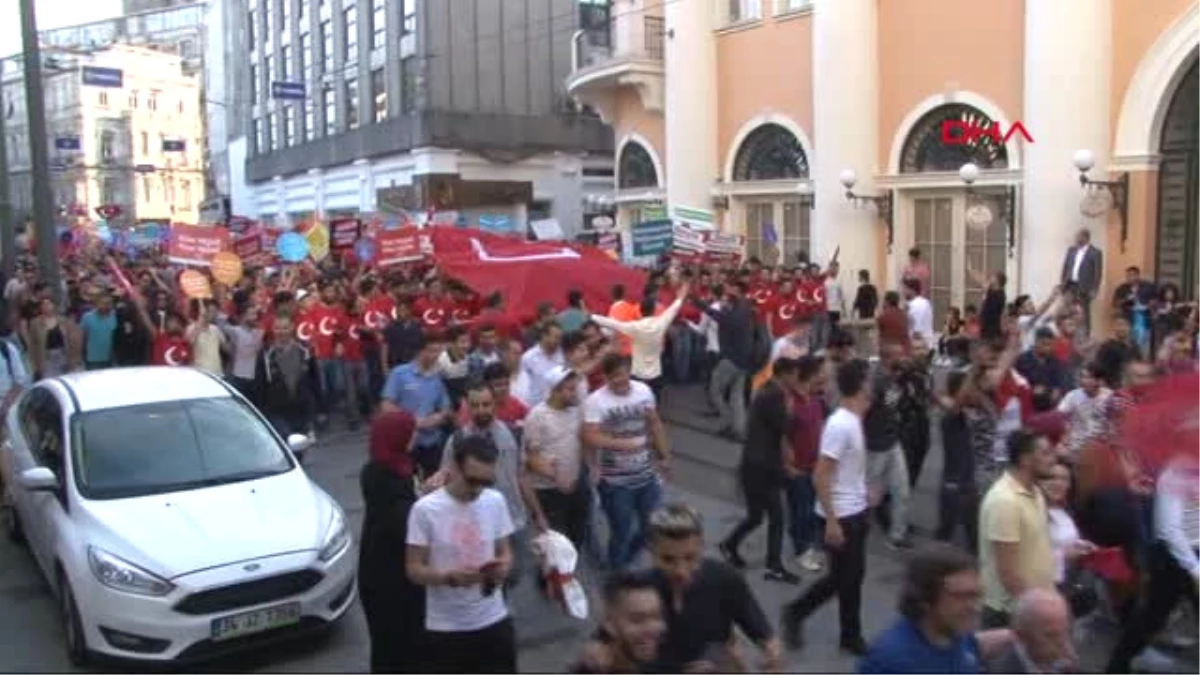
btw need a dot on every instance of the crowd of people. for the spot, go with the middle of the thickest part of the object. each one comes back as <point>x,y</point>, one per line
<point>488,428</point>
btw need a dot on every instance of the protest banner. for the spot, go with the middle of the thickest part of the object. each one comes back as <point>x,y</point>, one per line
<point>343,232</point>
<point>195,244</point>
<point>398,246</point>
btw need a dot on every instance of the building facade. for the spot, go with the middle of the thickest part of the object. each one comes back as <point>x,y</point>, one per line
<point>765,110</point>
<point>138,146</point>
<point>418,107</point>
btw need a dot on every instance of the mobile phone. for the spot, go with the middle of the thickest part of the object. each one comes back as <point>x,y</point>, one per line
<point>487,570</point>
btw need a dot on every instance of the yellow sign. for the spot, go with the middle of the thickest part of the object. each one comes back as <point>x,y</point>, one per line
<point>227,267</point>
<point>195,285</point>
<point>318,241</point>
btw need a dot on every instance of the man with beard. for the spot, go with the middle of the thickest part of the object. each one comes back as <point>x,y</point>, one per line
<point>1015,552</point>
<point>703,601</point>
<point>512,479</point>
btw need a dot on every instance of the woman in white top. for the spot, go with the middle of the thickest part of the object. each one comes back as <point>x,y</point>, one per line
<point>1065,541</point>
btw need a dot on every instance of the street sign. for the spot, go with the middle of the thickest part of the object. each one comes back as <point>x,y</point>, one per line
<point>288,91</point>
<point>652,238</point>
<point>169,145</point>
<point>144,168</point>
<point>96,76</point>
<point>67,143</point>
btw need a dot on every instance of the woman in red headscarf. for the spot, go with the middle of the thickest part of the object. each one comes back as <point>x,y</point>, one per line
<point>394,606</point>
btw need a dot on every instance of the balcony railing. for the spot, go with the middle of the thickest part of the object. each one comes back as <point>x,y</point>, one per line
<point>629,37</point>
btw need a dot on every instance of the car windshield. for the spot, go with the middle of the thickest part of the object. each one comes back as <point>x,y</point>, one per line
<point>171,446</point>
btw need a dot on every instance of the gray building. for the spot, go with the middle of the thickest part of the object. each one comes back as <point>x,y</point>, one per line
<point>447,107</point>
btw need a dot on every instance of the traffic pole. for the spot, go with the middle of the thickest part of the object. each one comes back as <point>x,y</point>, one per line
<point>8,230</point>
<point>43,199</point>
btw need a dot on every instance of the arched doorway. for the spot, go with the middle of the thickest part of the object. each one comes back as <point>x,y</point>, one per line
<point>777,226</point>
<point>1178,224</point>
<point>635,168</point>
<point>938,216</point>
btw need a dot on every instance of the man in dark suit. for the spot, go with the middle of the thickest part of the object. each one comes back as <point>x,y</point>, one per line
<point>1083,269</point>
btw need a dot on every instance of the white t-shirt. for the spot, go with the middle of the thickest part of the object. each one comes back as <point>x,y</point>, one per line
<point>247,343</point>
<point>787,347</point>
<point>460,535</point>
<point>623,417</point>
<point>1063,534</point>
<point>1085,416</point>
<point>920,319</point>
<point>535,366</point>
<point>843,440</point>
<point>451,369</point>
<point>553,435</point>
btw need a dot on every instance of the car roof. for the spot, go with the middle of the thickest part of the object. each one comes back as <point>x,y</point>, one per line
<point>120,387</point>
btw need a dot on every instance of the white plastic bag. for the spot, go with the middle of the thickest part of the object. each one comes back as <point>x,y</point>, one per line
<point>558,559</point>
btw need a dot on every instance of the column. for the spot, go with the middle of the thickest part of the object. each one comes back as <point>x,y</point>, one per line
<point>845,133</point>
<point>690,110</point>
<point>1067,76</point>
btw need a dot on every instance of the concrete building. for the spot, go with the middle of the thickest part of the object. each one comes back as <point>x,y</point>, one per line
<point>759,109</point>
<point>138,145</point>
<point>452,106</point>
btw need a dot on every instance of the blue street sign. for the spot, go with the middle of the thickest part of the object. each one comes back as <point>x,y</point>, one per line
<point>96,76</point>
<point>177,145</point>
<point>144,168</point>
<point>288,91</point>
<point>67,143</point>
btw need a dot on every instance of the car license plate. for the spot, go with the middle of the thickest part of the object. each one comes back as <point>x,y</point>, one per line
<point>248,623</point>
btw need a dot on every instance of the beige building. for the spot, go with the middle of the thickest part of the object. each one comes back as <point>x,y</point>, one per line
<point>764,111</point>
<point>139,146</point>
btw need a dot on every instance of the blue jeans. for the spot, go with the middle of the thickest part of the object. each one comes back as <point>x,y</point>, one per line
<point>681,352</point>
<point>628,511</point>
<point>802,520</point>
<point>329,374</point>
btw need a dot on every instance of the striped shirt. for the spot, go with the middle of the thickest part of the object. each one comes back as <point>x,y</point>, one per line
<point>623,417</point>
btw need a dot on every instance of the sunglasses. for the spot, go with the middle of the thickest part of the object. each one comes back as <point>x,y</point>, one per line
<point>480,482</point>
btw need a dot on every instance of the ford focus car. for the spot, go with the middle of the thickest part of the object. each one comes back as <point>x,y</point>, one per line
<point>171,521</point>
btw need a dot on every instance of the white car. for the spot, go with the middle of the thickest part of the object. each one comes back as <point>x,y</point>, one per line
<point>171,521</point>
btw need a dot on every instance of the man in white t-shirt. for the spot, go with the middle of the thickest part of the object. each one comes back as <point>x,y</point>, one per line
<point>554,455</point>
<point>536,364</point>
<point>841,484</point>
<point>458,549</point>
<point>920,312</point>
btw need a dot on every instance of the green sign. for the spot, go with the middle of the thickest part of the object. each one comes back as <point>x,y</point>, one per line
<point>652,238</point>
<point>652,213</point>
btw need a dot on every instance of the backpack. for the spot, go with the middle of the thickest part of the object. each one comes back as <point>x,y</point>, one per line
<point>760,347</point>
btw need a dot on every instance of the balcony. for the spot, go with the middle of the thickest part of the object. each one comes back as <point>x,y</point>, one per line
<point>630,55</point>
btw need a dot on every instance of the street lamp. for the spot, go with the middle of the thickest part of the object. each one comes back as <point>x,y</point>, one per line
<point>720,200</point>
<point>807,197</point>
<point>979,212</point>
<point>1117,189</point>
<point>882,203</point>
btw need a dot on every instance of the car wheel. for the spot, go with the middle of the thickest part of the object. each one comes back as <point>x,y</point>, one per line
<point>12,519</point>
<point>76,641</point>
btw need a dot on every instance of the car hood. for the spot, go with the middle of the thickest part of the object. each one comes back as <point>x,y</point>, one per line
<point>181,532</point>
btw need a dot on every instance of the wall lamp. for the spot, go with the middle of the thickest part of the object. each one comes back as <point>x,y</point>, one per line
<point>720,200</point>
<point>882,203</point>
<point>969,173</point>
<point>1117,189</point>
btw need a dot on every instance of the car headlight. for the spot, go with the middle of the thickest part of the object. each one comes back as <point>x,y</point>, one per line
<point>122,575</point>
<point>337,537</point>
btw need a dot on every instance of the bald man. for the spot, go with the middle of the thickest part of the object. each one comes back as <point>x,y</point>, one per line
<point>1041,624</point>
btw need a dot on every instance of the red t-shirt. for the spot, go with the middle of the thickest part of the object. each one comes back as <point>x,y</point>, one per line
<point>807,422</point>
<point>171,350</point>
<point>783,311</point>
<point>379,311</point>
<point>319,327</point>
<point>464,310</point>
<point>762,295</point>
<point>434,314</point>
<point>810,294</point>
<point>351,339</point>
<point>507,328</point>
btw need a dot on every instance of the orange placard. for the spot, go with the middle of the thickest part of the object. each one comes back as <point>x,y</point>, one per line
<point>227,267</point>
<point>195,285</point>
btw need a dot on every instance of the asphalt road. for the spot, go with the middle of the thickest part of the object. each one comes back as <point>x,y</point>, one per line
<point>31,641</point>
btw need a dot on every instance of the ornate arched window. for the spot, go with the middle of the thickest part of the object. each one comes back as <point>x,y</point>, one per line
<point>635,168</point>
<point>926,149</point>
<point>770,152</point>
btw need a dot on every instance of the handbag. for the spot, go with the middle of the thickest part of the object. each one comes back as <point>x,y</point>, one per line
<point>1080,589</point>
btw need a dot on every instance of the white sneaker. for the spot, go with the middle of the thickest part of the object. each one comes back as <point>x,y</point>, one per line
<point>811,560</point>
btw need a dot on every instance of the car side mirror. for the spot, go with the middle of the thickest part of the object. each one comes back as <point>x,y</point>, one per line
<point>38,479</point>
<point>298,444</point>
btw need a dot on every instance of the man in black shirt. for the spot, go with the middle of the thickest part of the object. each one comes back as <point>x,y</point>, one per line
<point>735,319</point>
<point>632,626</point>
<point>991,311</point>
<point>762,472</point>
<point>887,469</point>
<point>402,338</point>
<point>703,601</point>
<point>958,502</point>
